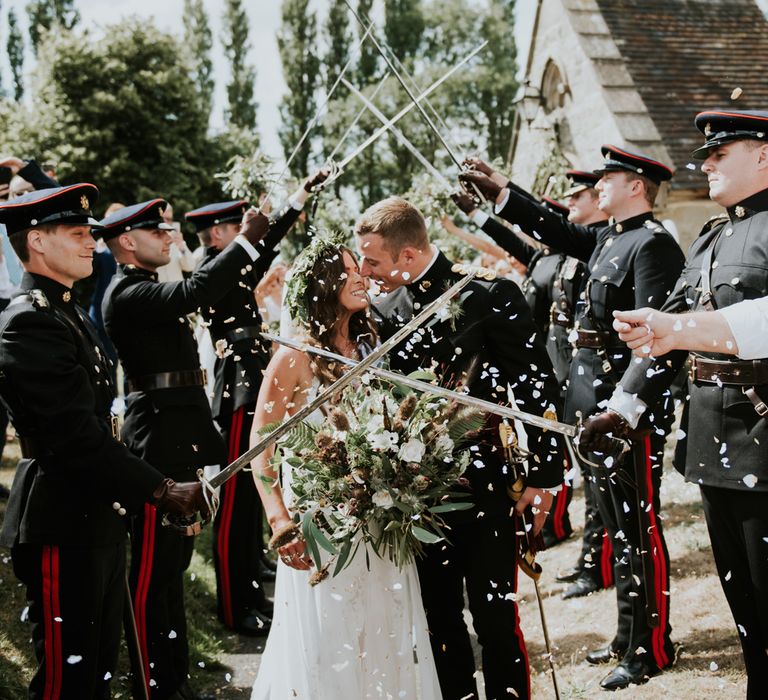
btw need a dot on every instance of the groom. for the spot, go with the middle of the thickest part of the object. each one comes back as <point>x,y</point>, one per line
<point>488,342</point>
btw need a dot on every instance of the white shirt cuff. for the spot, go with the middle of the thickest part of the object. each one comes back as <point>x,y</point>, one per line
<point>298,198</point>
<point>479,217</point>
<point>247,246</point>
<point>748,321</point>
<point>503,202</point>
<point>627,405</point>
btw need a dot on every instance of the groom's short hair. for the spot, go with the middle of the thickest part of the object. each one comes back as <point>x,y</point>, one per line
<point>398,222</point>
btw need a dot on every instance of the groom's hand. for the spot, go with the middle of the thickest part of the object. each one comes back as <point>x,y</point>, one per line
<point>540,501</point>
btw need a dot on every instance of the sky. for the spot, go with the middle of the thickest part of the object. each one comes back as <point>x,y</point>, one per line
<point>264,16</point>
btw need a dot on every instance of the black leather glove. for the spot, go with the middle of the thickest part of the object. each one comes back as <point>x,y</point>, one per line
<point>254,227</point>
<point>480,165</point>
<point>184,499</point>
<point>464,202</point>
<point>597,431</point>
<point>484,184</point>
<point>317,179</point>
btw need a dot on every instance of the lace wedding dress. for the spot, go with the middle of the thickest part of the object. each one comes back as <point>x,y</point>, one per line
<point>361,634</point>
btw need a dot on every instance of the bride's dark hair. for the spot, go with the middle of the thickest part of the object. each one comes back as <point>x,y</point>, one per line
<point>324,284</point>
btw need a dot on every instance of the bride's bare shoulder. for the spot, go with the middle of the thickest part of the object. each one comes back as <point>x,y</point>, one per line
<point>293,364</point>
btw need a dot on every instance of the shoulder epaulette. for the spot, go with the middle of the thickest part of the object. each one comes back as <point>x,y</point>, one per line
<point>482,273</point>
<point>714,221</point>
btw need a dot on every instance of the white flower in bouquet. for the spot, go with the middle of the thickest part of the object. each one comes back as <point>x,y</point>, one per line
<point>383,499</point>
<point>384,440</point>
<point>412,451</point>
<point>444,444</point>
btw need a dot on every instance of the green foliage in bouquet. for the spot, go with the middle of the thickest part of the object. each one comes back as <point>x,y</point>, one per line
<point>381,472</point>
<point>249,177</point>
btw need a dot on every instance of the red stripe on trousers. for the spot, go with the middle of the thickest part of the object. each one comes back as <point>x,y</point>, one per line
<point>659,569</point>
<point>519,634</point>
<point>560,501</point>
<point>222,544</point>
<point>142,586</point>
<point>606,560</point>
<point>51,610</point>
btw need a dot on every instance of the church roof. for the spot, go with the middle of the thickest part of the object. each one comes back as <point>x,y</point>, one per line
<point>683,57</point>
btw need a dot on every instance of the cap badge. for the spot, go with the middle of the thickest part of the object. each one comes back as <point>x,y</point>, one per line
<point>160,211</point>
<point>84,203</point>
<point>708,129</point>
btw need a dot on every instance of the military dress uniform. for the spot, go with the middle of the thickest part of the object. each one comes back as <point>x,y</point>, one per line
<point>235,326</point>
<point>724,426</point>
<point>492,345</point>
<point>543,280</point>
<point>630,263</point>
<point>65,522</point>
<point>168,422</point>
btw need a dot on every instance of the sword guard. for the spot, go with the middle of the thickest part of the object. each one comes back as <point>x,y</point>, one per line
<point>527,563</point>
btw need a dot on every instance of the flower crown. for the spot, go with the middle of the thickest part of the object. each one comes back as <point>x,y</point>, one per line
<point>322,246</point>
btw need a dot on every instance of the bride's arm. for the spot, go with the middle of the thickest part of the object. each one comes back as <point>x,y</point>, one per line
<point>283,390</point>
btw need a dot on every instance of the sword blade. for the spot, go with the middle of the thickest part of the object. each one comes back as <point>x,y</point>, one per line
<point>427,313</point>
<point>426,387</point>
<point>399,135</point>
<point>405,110</point>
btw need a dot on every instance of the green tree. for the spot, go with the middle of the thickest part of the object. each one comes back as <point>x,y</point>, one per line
<point>297,42</point>
<point>122,112</point>
<point>338,39</point>
<point>15,48</point>
<point>44,15</point>
<point>241,109</point>
<point>199,41</point>
<point>403,27</point>
<point>368,63</point>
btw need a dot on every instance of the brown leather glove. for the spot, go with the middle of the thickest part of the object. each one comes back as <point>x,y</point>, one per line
<point>254,226</point>
<point>317,179</point>
<point>480,165</point>
<point>464,202</point>
<point>184,499</point>
<point>597,431</point>
<point>484,184</point>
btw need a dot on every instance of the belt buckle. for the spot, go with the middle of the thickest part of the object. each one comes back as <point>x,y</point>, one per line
<point>204,372</point>
<point>692,370</point>
<point>759,405</point>
<point>114,426</point>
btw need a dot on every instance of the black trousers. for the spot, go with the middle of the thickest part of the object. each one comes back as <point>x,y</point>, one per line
<point>159,558</point>
<point>738,528</point>
<point>615,489</point>
<point>482,553</point>
<point>596,557</point>
<point>76,597</point>
<point>557,526</point>
<point>237,533</point>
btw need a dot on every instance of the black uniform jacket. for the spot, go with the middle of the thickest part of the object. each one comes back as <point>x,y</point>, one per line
<point>147,321</point>
<point>492,343</point>
<point>551,288</point>
<point>235,319</point>
<point>630,264</point>
<point>55,382</point>
<point>724,440</point>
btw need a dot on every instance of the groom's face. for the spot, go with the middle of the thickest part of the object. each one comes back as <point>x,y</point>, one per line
<point>379,263</point>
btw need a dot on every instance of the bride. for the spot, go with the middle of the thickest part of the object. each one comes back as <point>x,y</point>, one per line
<point>363,633</point>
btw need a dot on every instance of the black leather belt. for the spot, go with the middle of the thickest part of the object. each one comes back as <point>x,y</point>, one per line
<point>242,334</point>
<point>735,372</point>
<point>597,340</point>
<point>34,449</point>
<point>168,380</point>
<point>560,318</point>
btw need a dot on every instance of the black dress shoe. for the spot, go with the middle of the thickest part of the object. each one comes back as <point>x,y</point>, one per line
<point>569,575</point>
<point>580,587</point>
<point>628,672</point>
<point>604,655</point>
<point>254,624</point>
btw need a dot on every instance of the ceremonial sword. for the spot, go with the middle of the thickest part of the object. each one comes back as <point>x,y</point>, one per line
<point>209,485</point>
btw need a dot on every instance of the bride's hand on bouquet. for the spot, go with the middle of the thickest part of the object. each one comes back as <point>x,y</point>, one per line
<point>294,554</point>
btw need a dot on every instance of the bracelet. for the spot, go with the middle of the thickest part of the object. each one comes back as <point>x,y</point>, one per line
<point>284,535</point>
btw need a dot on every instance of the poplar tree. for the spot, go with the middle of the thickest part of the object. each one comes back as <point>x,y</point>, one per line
<point>15,48</point>
<point>44,15</point>
<point>241,103</point>
<point>198,41</point>
<point>297,42</point>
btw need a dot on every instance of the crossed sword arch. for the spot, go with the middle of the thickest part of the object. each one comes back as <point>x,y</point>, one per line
<point>368,364</point>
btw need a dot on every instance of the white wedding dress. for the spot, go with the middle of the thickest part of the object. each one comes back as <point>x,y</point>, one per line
<point>362,634</point>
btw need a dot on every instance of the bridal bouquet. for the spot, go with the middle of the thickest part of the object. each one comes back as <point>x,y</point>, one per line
<point>380,471</point>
